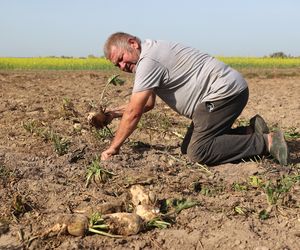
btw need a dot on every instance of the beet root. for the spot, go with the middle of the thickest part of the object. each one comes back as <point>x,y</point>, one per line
<point>124,223</point>
<point>98,120</point>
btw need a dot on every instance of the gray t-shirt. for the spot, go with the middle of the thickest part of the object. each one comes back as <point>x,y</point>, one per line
<point>183,76</point>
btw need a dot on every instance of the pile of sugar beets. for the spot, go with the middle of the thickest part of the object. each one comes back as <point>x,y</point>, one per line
<point>145,214</point>
<point>114,219</point>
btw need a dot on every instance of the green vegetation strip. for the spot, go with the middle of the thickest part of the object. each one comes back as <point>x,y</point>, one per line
<point>54,63</point>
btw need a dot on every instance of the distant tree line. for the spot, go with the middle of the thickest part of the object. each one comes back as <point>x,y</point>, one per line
<point>281,55</point>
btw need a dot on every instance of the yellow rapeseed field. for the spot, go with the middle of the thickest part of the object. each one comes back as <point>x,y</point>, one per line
<point>49,63</point>
<point>261,62</point>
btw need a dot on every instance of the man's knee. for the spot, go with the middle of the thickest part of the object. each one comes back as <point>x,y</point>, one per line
<point>202,154</point>
<point>197,155</point>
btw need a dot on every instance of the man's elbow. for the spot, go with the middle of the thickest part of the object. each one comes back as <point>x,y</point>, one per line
<point>148,107</point>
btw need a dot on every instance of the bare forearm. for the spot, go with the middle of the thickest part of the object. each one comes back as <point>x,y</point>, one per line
<point>118,112</point>
<point>131,114</point>
<point>127,125</point>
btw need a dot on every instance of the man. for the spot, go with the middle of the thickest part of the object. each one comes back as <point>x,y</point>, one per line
<point>197,86</point>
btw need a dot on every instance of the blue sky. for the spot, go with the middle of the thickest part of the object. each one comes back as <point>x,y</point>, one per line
<point>79,27</point>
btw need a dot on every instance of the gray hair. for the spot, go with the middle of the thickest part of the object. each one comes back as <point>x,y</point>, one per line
<point>120,40</point>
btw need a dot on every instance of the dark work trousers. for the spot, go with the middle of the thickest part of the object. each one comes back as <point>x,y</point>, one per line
<point>211,140</point>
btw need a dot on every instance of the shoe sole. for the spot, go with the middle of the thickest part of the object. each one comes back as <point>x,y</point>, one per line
<point>259,125</point>
<point>279,149</point>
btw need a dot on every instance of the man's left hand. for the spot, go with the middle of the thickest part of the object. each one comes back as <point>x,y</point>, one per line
<point>108,153</point>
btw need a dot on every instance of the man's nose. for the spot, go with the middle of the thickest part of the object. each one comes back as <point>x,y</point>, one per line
<point>122,65</point>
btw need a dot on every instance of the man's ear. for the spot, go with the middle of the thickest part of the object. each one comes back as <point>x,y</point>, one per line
<point>133,43</point>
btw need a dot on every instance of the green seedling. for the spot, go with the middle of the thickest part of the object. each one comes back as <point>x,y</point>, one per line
<point>291,134</point>
<point>45,134</point>
<point>61,145</point>
<point>200,188</point>
<point>277,190</point>
<point>98,226</point>
<point>97,173</point>
<point>168,208</point>
<point>33,127</point>
<point>264,215</point>
<point>255,181</point>
<point>239,187</point>
<point>68,108</point>
<point>115,80</point>
<point>30,126</point>
<point>103,134</point>
<point>175,206</point>
<point>207,189</point>
<point>184,204</point>
<point>157,223</point>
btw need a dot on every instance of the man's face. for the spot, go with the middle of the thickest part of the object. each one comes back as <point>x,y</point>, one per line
<point>125,59</point>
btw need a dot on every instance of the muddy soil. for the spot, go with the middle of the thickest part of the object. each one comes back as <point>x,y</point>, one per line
<point>253,204</point>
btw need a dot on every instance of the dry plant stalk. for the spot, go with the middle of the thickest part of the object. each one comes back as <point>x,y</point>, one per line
<point>100,119</point>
